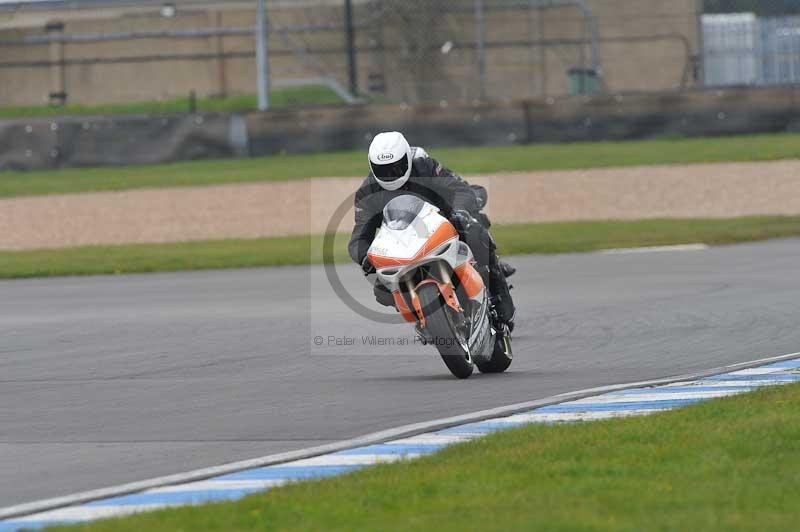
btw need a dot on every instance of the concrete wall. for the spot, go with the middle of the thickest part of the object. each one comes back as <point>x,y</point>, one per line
<point>651,56</point>
<point>695,113</point>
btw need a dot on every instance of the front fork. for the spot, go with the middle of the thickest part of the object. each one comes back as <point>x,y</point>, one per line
<point>445,286</point>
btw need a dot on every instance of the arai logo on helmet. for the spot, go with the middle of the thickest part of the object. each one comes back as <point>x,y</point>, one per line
<point>385,157</point>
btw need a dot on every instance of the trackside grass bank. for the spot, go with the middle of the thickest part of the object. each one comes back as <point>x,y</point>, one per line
<point>486,160</point>
<point>562,237</point>
<point>726,464</point>
<point>303,95</point>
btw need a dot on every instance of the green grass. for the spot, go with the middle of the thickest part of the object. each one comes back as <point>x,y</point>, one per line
<point>568,237</point>
<point>485,160</point>
<point>141,258</point>
<point>559,237</point>
<point>726,464</point>
<point>304,95</point>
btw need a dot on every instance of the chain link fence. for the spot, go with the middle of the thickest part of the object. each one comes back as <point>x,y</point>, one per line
<point>467,50</point>
<point>404,51</point>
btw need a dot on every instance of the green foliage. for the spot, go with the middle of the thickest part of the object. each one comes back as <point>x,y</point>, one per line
<point>303,95</point>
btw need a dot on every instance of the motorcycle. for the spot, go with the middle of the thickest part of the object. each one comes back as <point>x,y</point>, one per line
<point>419,258</point>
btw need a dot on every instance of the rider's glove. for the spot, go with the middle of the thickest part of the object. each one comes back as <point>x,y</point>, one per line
<point>461,219</point>
<point>367,267</point>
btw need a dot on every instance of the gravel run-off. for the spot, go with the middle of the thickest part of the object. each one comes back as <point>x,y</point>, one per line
<point>303,207</point>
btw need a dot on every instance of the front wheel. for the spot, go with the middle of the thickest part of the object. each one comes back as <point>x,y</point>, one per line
<point>501,355</point>
<point>450,343</point>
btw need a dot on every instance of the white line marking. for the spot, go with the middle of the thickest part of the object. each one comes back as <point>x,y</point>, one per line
<point>655,249</point>
<point>759,371</point>
<point>435,439</point>
<point>89,513</point>
<point>716,383</point>
<point>568,417</point>
<point>645,397</point>
<point>346,460</point>
<point>208,485</point>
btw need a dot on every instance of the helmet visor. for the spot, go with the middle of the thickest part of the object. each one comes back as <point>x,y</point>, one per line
<point>392,171</point>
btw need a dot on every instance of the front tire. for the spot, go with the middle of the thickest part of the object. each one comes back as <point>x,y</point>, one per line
<point>446,338</point>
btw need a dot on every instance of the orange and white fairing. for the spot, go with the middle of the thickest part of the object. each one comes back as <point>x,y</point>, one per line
<point>400,248</point>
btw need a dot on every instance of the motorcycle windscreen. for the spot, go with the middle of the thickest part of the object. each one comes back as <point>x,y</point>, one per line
<point>402,211</point>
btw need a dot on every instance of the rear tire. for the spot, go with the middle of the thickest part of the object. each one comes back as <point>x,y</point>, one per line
<point>445,337</point>
<point>501,355</point>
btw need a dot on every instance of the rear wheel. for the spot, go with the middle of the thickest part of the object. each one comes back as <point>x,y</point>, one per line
<point>442,329</point>
<point>501,355</point>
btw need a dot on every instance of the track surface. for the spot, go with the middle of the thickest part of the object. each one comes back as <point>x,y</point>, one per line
<point>114,379</point>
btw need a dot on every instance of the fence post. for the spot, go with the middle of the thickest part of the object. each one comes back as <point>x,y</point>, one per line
<point>700,57</point>
<point>350,36</point>
<point>262,55</point>
<point>58,74</point>
<point>480,45</point>
<point>219,51</point>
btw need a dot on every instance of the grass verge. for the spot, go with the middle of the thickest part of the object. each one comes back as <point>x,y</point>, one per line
<point>484,160</point>
<point>562,237</point>
<point>304,95</point>
<point>726,464</point>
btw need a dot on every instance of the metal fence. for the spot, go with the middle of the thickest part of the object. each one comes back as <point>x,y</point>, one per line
<point>405,51</point>
<point>466,50</point>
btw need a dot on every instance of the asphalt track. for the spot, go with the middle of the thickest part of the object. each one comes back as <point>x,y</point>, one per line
<point>114,379</point>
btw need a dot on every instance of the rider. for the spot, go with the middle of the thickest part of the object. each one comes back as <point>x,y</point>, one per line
<point>397,169</point>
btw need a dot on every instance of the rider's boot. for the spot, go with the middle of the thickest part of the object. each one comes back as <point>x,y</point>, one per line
<point>501,296</point>
<point>507,269</point>
<point>499,293</point>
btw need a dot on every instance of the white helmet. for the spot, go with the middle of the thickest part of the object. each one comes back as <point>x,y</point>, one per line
<point>390,160</point>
